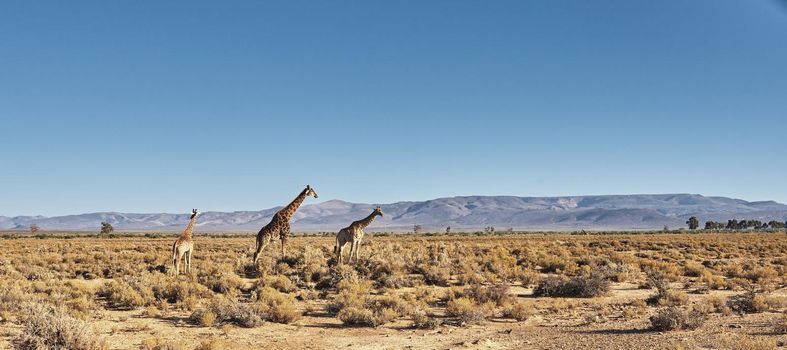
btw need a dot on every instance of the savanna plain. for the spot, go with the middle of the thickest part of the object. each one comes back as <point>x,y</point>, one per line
<point>515,291</point>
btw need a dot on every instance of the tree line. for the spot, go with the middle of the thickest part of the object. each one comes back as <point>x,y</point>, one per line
<point>735,224</point>
<point>105,228</point>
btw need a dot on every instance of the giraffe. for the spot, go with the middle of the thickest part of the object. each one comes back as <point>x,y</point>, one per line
<point>280,223</point>
<point>353,234</point>
<point>184,246</point>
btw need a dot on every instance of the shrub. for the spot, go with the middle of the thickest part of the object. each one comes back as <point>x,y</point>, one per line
<point>351,293</point>
<point>715,304</point>
<point>164,288</point>
<point>214,343</point>
<point>693,269</point>
<point>467,311</point>
<point>278,282</point>
<point>556,264</point>
<point>120,294</point>
<point>220,281</point>
<point>151,311</point>
<point>205,318</point>
<point>529,278</point>
<point>753,301</point>
<point>583,286</point>
<point>276,307</point>
<point>422,319</point>
<point>469,275</point>
<point>392,301</point>
<point>435,275</point>
<point>711,280</point>
<point>761,275</point>
<point>355,307</point>
<point>664,295</point>
<point>337,274</point>
<point>743,342</point>
<point>618,272</point>
<point>397,280</point>
<point>47,327</point>
<point>356,316</point>
<point>360,316</point>
<point>81,305</point>
<point>780,325</point>
<point>519,311</point>
<point>673,318</point>
<point>221,310</point>
<point>158,343</point>
<point>497,294</point>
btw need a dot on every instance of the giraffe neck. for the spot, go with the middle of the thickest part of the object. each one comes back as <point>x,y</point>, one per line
<point>189,229</point>
<point>365,222</point>
<point>290,209</point>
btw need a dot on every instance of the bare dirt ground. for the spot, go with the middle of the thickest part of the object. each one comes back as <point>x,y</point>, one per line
<point>618,319</point>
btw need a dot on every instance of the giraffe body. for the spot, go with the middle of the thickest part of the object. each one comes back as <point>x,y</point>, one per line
<point>279,227</point>
<point>184,246</point>
<point>353,234</point>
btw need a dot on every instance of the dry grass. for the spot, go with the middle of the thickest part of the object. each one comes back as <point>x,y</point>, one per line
<point>584,286</point>
<point>468,311</point>
<point>424,280</point>
<point>48,327</point>
<point>673,318</point>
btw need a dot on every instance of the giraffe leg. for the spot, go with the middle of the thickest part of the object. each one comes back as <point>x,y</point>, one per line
<point>177,264</point>
<point>188,262</point>
<point>339,249</point>
<point>357,248</point>
<point>175,261</point>
<point>260,246</point>
<point>352,252</point>
<point>283,235</point>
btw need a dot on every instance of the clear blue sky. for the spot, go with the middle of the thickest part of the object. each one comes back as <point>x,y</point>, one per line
<point>151,106</point>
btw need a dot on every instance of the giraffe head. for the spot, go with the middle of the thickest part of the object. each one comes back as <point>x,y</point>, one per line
<point>310,192</point>
<point>378,211</point>
<point>194,213</point>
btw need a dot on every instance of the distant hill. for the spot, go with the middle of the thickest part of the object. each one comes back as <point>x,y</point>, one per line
<point>614,212</point>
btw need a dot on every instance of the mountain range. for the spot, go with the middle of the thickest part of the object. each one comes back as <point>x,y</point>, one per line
<point>465,213</point>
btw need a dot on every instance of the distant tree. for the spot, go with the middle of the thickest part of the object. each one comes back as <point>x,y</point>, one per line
<point>732,224</point>
<point>34,228</point>
<point>747,224</point>
<point>776,224</point>
<point>448,230</point>
<point>106,227</point>
<point>714,225</point>
<point>489,229</point>
<point>416,228</point>
<point>693,223</point>
<point>666,228</point>
<point>510,230</point>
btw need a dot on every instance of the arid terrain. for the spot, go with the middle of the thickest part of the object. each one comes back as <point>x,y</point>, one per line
<point>521,291</point>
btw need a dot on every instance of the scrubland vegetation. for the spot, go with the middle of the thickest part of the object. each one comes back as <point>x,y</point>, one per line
<point>75,293</point>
